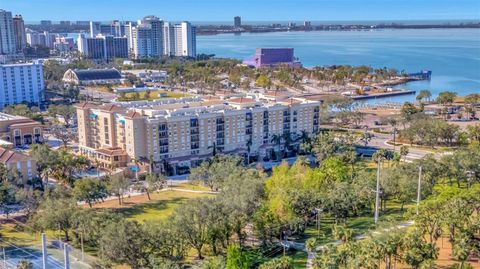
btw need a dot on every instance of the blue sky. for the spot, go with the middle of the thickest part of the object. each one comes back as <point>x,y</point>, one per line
<point>250,10</point>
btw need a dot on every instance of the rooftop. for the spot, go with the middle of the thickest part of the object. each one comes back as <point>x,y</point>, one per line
<point>97,74</point>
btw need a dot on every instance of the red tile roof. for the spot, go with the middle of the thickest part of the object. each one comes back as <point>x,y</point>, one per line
<point>8,156</point>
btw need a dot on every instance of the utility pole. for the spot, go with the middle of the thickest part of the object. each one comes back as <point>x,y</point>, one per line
<point>65,254</point>
<point>44,251</point>
<point>419,187</point>
<point>377,192</point>
<point>81,242</point>
<point>4,258</point>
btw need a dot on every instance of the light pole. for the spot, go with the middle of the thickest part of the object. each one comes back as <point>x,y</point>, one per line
<point>377,191</point>
<point>419,187</point>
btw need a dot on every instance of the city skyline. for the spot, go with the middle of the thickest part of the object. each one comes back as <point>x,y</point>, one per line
<point>249,10</point>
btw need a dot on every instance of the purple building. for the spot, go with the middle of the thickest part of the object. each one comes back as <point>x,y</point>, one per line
<point>272,57</point>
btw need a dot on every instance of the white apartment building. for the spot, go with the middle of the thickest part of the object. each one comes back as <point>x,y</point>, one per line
<point>180,40</point>
<point>147,38</point>
<point>7,34</point>
<point>21,83</point>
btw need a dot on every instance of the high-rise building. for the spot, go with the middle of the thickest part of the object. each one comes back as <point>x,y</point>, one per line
<point>91,47</point>
<point>21,83</point>
<point>45,39</point>
<point>45,23</point>
<point>185,40</point>
<point>95,28</point>
<point>7,34</point>
<point>103,47</point>
<point>147,38</point>
<point>65,23</point>
<point>116,47</point>
<point>307,24</point>
<point>169,48</point>
<point>237,22</point>
<point>20,35</point>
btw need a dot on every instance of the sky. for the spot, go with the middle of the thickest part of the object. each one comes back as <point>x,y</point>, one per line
<point>249,10</point>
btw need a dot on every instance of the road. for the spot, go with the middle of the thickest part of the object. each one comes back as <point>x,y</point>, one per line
<point>95,94</point>
<point>380,141</point>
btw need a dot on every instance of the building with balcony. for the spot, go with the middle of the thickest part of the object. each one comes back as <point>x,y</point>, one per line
<point>21,83</point>
<point>180,133</point>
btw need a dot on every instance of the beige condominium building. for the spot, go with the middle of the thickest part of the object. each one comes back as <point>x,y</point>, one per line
<point>177,134</point>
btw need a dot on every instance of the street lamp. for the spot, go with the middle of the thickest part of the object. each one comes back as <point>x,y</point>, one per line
<point>419,187</point>
<point>377,190</point>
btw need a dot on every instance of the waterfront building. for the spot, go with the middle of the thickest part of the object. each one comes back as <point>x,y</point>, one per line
<point>23,164</point>
<point>21,83</point>
<point>45,23</point>
<point>20,131</point>
<point>44,39</point>
<point>19,31</point>
<point>147,38</point>
<point>237,22</point>
<point>169,39</point>
<point>269,57</point>
<point>92,76</point>
<point>116,47</point>
<point>95,28</point>
<point>7,33</point>
<point>91,47</point>
<point>181,133</point>
<point>103,47</point>
<point>185,40</point>
<point>83,23</point>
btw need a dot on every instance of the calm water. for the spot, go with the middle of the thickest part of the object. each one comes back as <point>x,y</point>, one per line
<point>452,54</point>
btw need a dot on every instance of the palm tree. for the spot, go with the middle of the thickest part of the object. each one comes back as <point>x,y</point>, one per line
<point>287,139</point>
<point>249,148</point>
<point>276,140</point>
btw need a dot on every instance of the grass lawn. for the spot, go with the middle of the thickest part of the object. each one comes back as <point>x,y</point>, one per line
<point>360,225</point>
<point>160,207</point>
<point>154,95</point>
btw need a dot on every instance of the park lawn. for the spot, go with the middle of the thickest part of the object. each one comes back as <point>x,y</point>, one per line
<point>139,208</point>
<point>190,186</point>
<point>154,95</point>
<point>360,225</point>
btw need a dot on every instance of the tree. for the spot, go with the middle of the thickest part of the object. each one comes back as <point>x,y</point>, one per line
<point>154,182</point>
<point>424,94</point>
<point>193,217</point>
<point>55,214</point>
<point>123,242</point>
<point>63,133</point>
<point>213,172</point>
<point>90,190</point>
<point>118,185</point>
<point>404,151</point>
<point>446,98</point>
<point>278,263</point>
<point>416,250</point>
<point>68,113</point>
<point>24,264</point>
<point>473,132</point>
<point>263,81</point>
<point>236,259</point>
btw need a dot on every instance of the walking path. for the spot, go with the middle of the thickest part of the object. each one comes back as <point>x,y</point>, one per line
<point>311,255</point>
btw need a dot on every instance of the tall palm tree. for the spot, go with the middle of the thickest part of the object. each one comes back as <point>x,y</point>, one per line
<point>276,140</point>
